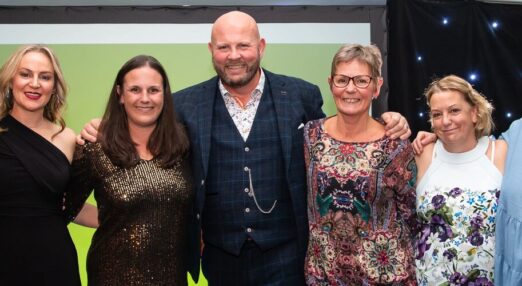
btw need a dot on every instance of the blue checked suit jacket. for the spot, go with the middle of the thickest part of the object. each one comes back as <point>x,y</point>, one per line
<point>296,102</point>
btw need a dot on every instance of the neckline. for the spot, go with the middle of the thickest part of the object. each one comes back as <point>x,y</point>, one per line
<point>323,130</point>
<point>12,120</point>
<point>465,157</point>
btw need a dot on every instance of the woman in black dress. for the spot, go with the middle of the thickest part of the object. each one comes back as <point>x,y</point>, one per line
<point>140,175</point>
<point>35,151</point>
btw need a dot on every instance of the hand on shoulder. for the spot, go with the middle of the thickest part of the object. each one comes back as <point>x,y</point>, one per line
<point>396,126</point>
<point>423,139</point>
<point>89,132</point>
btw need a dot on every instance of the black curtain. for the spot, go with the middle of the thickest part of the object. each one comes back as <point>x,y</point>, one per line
<point>431,39</point>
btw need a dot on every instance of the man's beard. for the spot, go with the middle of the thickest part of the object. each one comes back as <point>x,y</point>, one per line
<point>249,75</point>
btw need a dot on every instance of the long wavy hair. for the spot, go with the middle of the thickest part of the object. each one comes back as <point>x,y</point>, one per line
<point>167,143</point>
<point>54,109</point>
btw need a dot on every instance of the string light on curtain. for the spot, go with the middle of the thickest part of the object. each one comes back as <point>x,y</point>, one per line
<point>480,42</point>
<point>473,77</point>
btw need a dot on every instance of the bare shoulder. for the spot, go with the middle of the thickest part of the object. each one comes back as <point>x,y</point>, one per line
<point>501,148</point>
<point>65,141</point>
<point>66,136</point>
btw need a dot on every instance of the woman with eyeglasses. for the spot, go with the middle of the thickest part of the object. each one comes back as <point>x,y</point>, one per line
<point>361,196</point>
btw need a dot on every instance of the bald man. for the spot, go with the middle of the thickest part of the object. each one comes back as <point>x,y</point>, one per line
<point>245,128</point>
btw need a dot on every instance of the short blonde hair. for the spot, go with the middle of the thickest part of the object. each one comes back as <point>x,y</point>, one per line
<point>53,109</point>
<point>371,55</point>
<point>484,123</point>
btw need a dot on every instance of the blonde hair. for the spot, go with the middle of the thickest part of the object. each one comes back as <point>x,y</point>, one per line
<point>484,123</point>
<point>53,109</point>
<point>371,55</point>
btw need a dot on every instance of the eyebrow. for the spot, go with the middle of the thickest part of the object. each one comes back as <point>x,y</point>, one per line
<point>28,69</point>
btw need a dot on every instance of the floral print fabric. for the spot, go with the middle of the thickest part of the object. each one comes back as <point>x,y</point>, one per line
<point>243,117</point>
<point>361,208</point>
<point>456,241</point>
<point>456,244</point>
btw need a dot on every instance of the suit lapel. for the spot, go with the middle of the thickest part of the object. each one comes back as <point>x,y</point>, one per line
<point>283,109</point>
<point>205,112</point>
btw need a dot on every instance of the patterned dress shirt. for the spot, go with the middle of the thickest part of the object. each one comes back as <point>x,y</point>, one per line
<point>243,117</point>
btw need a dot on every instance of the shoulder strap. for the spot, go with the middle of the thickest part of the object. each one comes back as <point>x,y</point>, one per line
<point>492,151</point>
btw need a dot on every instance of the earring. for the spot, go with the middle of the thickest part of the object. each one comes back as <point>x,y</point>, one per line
<point>8,94</point>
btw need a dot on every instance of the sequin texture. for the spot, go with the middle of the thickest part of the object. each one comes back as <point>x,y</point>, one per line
<point>143,215</point>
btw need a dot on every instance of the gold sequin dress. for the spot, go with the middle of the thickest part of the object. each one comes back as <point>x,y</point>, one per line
<point>143,213</point>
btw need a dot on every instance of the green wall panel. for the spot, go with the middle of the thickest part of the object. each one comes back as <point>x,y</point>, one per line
<point>90,71</point>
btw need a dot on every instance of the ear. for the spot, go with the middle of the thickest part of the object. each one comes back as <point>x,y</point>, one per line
<point>210,47</point>
<point>474,115</point>
<point>262,45</point>
<point>330,82</point>
<point>118,92</point>
<point>378,85</point>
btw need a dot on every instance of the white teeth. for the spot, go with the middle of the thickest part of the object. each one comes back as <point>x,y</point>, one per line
<point>32,94</point>
<point>235,66</point>
<point>350,100</point>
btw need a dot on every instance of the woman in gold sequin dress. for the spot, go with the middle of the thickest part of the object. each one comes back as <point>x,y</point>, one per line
<point>140,175</point>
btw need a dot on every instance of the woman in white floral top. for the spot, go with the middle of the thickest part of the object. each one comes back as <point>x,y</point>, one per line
<point>459,179</point>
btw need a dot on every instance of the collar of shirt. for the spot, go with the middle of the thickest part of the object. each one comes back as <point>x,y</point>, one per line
<point>243,117</point>
<point>255,96</point>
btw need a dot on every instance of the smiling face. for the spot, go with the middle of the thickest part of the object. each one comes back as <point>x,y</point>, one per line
<point>352,100</point>
<point>33,83</point>
<point>142,96</point>
<point>236,49</point>
<point>453,120</point>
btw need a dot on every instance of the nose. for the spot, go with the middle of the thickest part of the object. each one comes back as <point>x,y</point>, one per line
<point>446,119</point>
<point>145,97</point>
<point>234,54</point>
<point>35,83</point>
<point>350,87</point>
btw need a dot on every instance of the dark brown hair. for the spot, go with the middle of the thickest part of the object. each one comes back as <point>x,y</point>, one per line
<point>167,143</point>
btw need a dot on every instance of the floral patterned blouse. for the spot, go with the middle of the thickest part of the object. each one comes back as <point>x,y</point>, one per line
<point>457,203</point>
<point>361,210</point>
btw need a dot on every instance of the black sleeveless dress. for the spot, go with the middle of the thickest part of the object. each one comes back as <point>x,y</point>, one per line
<point>35,245</point>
